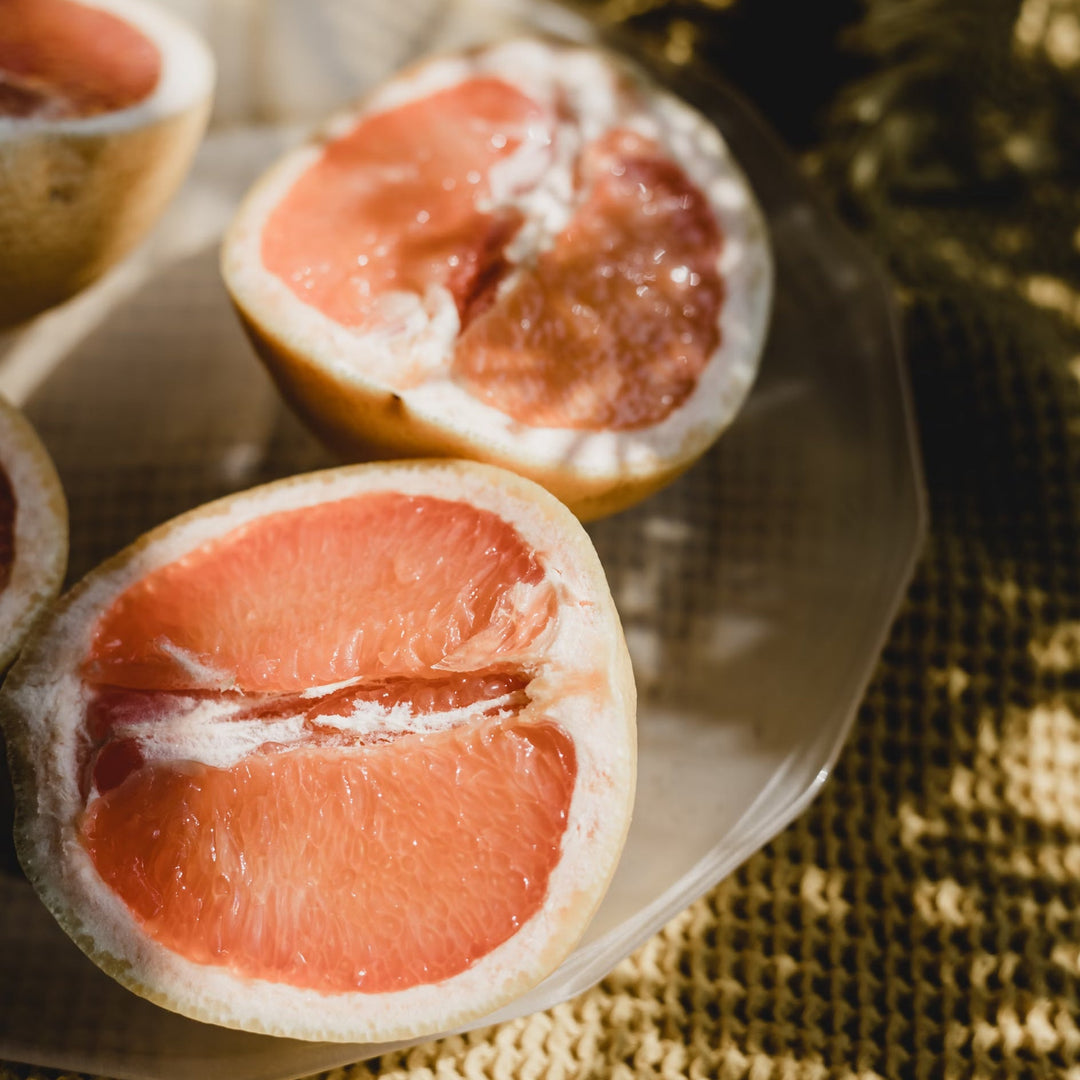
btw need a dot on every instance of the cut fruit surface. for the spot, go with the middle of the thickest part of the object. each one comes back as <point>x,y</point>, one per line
<point>102,104</point>
<point>347,757</point>
<point>33,530</point>
<point>395,205</point>
<point>527,255</point>
<point>59,58</point>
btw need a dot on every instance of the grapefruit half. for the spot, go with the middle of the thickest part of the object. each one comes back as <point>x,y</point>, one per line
<point>347,757</point>
<point>527,255</point>
<point>102,104</point>
<point>33,530</point>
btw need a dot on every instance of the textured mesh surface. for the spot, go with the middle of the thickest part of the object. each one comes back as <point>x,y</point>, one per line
<point>923,918</point>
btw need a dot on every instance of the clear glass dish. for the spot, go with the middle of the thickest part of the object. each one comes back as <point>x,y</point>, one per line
<point>756,592</point>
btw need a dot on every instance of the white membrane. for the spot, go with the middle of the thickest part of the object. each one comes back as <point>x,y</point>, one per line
<point>206,730</point>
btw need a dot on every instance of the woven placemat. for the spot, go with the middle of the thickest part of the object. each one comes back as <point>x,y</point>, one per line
<point>923,918</point>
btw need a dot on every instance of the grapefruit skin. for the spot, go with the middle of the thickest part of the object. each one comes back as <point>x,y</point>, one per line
<point>577,712</point>
<point>77,194</point>
<point>35,539</point>
<point>71,206</point>
<point>362,423</point>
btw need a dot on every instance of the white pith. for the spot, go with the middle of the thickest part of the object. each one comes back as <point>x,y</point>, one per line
<point>410,354</point>
<point>186,78</point>
<point>579,679</point>
<point>207,731</point>
<point>40,534</point>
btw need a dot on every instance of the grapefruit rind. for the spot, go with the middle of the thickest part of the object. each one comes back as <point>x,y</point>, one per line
<point>41,530</point>
<point>369,396</point>
<point>77,193</point>
<point>582,681</point>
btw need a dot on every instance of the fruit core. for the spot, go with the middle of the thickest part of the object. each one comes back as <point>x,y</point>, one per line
<point>303,740</point>
<point>7,528</point>
<point>60,60</point>
<point>607,324</point>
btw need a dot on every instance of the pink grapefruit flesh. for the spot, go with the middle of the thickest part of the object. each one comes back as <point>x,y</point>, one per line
<point>608,330</point>
<point>258,610</point>
<point>394,205</point>
<point>330,871</point>
<point>614,326</point>
<point>61,59</point>
<point>341,861</point>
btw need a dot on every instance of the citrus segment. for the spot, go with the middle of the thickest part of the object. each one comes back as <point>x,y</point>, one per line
<point>614,326</point>
<point>61,59</point>
<point>398,870</point>
<point>412,583</point>
<point>395,205</point>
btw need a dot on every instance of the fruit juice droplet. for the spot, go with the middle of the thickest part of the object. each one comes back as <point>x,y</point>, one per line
<point>353,847</point>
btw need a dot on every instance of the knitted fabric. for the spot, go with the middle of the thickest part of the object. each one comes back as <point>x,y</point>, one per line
<point>923,917</point>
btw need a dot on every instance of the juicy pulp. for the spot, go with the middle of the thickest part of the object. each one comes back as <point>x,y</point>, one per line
<point>374,870</point>
<point>376,586</point>
<point>608,327</point>
<point>301,737</point>
<point>614,326</point>
<point>396,205</point>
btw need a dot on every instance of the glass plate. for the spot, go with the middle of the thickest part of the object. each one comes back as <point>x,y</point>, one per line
<point>756,592</point>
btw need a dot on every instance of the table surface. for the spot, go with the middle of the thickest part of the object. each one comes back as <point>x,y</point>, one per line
<point>923,916</point>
